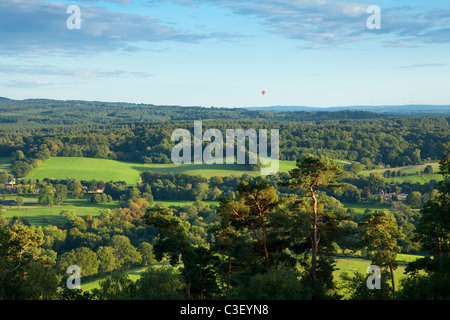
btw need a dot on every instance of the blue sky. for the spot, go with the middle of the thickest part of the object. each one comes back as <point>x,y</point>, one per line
<point>223,53</point>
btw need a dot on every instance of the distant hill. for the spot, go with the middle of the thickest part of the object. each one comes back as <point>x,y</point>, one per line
<point>67,112</point>
<point>388,110</point>
<point>44,112</point>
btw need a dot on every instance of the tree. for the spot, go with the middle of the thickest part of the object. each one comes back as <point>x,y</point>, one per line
<point>19,201</point>
<point>433,233</point>
<point>235,249</point>
<point>21,168</point>
<point>117,287</point>
<point>146,251</point>
<point>133,194</point>
<point>351,194</point>
<point>4,178</point>
<point>60,194</point>
<point>106,258</point>
<point>380,234</point>
<point>312,173</point>
<point>355,167</point>
<point>173,238</point>
<point>376,182</point>
<point>276,284</point>
<point>17,155</point>
<point>428,169</point>
<point>255,202</point>
<point>355,287</point>
<point>160,284</point>
<point>413,199</point>
<point>433,229</point>
<point>82,257</point>
<point>200,191</point>
<point>46,196</point>
<point>125,253</point>
<point>76,189</point>
<point>97,198</point>
<point>24,272</point>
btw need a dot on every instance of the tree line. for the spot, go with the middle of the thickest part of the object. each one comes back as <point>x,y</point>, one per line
<point>393,141</point>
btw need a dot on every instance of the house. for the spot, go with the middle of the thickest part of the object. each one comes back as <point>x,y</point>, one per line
<point>11,187</point>
<point>387,198</point>
<point>382,164</point>
<point>402,196</point>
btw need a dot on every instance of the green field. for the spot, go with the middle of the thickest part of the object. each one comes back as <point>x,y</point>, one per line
<point>411,172</point>
<point>350,265</point>
<point>361,207</point>
<point>5,164</point>
<point>107,170</point>
<point>184,203</point>
<point>94,282</point>
<point>34,213</point>
<point>86,169</point>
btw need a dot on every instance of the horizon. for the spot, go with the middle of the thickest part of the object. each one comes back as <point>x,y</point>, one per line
<point>225,54</point>
<point>236,107</point>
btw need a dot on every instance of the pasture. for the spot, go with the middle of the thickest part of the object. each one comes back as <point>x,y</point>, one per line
<point>413,173</point>
<point>39,215</point>
<point>107,170</point>
<point>5,164</point>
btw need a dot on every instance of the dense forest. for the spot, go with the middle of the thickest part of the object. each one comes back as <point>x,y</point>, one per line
<point>273,237</point>
<point>41,112</point>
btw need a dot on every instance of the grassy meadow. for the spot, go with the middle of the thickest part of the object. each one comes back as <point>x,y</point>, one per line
<point>39,215</point>
<point>107,170</point>
<point>5,164</point>
<point>86,169</point>
<point>412,173</point>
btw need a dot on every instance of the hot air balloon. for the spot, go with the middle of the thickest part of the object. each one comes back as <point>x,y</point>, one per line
<point>263,92</point>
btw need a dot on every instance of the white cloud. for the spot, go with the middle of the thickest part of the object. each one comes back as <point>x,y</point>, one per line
<point>28,27</point>
<point>312,20</point>
<point>48,70</point>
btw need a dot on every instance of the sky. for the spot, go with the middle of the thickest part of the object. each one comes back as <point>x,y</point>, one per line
<point>224,53</point>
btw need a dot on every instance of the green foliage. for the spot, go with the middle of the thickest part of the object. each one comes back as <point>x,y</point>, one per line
<point>251,210</point>
<point>25,272</point>
<point>162,283</point>
<point>107,259</point>
<point>83,257</point>
<point>116,287</point>
<point>46,196</point>
<point>413,199</point>
<point>125,253</point>
<point>273,285</point>
<point>377,182</point>
<point>146,251</point>
<point>354,287</point>
<point>319,219</point>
